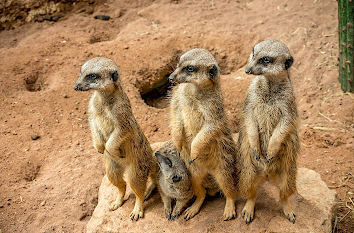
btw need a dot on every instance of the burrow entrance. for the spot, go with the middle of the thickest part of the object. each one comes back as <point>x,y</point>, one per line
<point>33,83</point>
<point>158,95</point>
<point>156,91</point>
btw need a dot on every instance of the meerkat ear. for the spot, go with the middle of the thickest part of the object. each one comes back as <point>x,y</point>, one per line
<point>163,159</point>
<point>115,76</point>
<point>213,72</point>
<point>289,62</point>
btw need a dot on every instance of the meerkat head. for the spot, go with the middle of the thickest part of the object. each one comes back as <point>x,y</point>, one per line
<point>197,66</point>
<point>269,58</point>
<point>172,167</point>
<point>97,73</point>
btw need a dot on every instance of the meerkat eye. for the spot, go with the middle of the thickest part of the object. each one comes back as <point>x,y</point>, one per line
<point>213,72</point>
<point>92,76</point>
<point>265,60</point>
<point>168,161</point>
<point>190,69</point>
<point>176,178</point>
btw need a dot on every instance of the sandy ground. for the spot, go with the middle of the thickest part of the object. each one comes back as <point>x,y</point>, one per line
<point>50,172</point>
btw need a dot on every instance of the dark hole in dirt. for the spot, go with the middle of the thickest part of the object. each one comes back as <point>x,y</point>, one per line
<point>155,89</point>
<point>32,83</point>
<point>31,169</point>
<point>158,95</point>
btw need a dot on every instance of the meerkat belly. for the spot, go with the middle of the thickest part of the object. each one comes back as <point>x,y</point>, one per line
<point>193,121</point>
<point>267,117</point>
<point>105,125</point>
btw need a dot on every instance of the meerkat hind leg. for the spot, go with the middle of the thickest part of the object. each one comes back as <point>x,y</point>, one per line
<point>251,194</point>
<point>138,186</point>
<point>287,187</point>
<point>200,192</point>
<point>248,210</point>
<point>114,173</point>
<point>230,194</point>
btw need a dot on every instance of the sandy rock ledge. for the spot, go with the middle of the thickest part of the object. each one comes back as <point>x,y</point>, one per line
<point>313,205</point>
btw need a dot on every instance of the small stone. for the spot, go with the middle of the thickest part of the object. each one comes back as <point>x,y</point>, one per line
<point>83,215</point>
<point>102,17</point>
<point>42,203</point>
<point>66,96</point>
<point>35,137</point>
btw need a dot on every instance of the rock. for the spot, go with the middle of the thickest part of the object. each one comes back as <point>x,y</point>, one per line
<point>35,137</point>
<point>313,205</point>
<point>103,17</point>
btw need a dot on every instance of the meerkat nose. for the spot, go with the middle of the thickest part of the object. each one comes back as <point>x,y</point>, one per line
<point>76,87</point>
<point>171,77</point>
<point>248,70</point>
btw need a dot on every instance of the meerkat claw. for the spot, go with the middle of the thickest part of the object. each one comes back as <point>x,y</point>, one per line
<point>256,156</point>
<point>191,161</point>
<point>269,159</point>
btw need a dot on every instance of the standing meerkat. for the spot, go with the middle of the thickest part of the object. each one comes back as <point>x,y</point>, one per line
<point>200,128</point>
<point>115,132</point>
<point>268,138</point>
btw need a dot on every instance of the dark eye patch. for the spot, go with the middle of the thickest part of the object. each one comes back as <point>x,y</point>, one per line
<point>176,178</point>
<point>213,72</point>
<point>92,77</point>
<point>190,69</point>
<point>168,162</point>
<point>265,60</point>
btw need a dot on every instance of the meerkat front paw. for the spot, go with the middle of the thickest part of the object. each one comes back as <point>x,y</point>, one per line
<point>256,155</point>
<point>269,158</point>
<point>100,148</point>
<point>194,155</point>
<point>175,214</point>
<point>168,213</point>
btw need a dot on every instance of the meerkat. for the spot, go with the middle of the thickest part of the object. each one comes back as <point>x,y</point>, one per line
<point>200,128</point>
<point>174,181</point>
<point>268,138</point>
<point>116,133</point>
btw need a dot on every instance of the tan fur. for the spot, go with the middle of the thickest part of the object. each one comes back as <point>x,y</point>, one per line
<point>115,132</point>
<point>174,181</point>
<point>200,128</point>
<point>268,138</point>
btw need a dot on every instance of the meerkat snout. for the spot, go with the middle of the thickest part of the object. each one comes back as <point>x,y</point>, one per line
<point>97,73</point>
<point>269,58</point>
<point>196,66</point>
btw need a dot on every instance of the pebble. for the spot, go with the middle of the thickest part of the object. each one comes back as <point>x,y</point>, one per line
<point>42,203</point>
<point>35,137</point>
<point>103,17</point>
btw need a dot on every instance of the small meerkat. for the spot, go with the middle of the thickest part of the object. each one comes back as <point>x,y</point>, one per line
<point>268,138</point>
<point>174,181</point>
<point>115,132</point>
<point>200,128</point>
